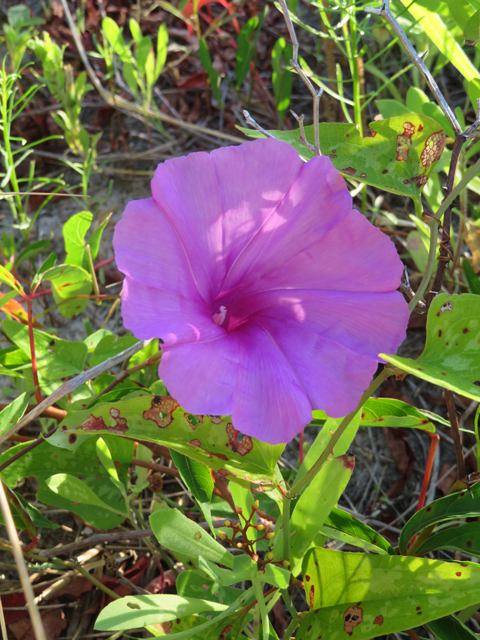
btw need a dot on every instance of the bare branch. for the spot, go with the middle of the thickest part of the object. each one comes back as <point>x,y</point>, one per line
<point>303,138</point>
<point>316,94</point>
<point>253,123</point>
<point>384,12</point>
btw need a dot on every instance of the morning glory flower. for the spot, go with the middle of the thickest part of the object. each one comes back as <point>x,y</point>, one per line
<point>271,294</point>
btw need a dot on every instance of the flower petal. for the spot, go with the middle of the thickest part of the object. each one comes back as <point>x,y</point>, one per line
<point>148,250</point>
<point>366,323</point>
<point>157,313</point>
<point>217,201</point>
<point>270,403</point>
<point>352,256</point>
<point>332,376</point>
<point>202,376</point>
<point>316,202</point>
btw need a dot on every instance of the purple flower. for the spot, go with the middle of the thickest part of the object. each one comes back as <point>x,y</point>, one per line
<point>271,294</point>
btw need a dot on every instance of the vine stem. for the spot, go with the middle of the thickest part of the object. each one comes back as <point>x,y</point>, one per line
<point>376,382</point>
<point>31,339</point>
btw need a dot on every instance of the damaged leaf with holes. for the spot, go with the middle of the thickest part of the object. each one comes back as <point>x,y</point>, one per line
<point>212,440</point>
<point>364,596</point>
<point>397,155</point>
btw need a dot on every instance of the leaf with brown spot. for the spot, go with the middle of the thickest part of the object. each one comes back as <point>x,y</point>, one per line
<point>354,592</point>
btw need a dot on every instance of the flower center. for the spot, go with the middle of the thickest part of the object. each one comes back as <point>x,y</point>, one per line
<point>219,317</point>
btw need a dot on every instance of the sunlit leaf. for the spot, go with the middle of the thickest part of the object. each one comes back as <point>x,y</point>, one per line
<point>369,595</point>
<point>450,358</point>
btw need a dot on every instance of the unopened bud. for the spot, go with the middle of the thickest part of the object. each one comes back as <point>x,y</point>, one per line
<point>255,557</point>
<point>270,535</point>
<point>238,509</point>
<point>285,563</point>
<point>239,545</point>
<point>260,527</point>
<point>270,556</point>
<point>222,535</point>
<point>255,505</point>
<point>228,523</point>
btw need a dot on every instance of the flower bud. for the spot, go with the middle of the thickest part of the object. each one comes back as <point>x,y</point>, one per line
<point>285,563</point>
<point>270,556</point>
<point>222,535</point>
<point>255,557</point>
<point>255,505</point>
<point>270,535</point>
<point>228,523</point>
<point>238,509</point>
<point>239,545</point>
<point>260,527</point>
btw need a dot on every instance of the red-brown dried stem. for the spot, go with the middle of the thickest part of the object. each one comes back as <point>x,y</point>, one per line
<point>38,393</point>
<point>435,439</point>
<point>457,438</point>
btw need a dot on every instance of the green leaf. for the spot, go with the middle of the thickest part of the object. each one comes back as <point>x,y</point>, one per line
<point>415,99</point>
<point>398,156</point>
<point>159,419</point>
<point>340,523</point>
<point>55,358</point>
<point>451,507</point>
<point>110,346</point>
<point>276,576</point>
<point>31,512</point>
<point>131,77</point>
<point>9,279</point>
<point>246,49</point>
<point>48,264</point>
<point>368,595</point>
<point>315,504</point>
<point>143,49</point>
<point>432,110</point>
<point>323,438</point>
<point>391,108</point>
<point>71,488</point>
<point>213,76</point>
<point>471,277</point>
<point>465,538</point>
<point>193,585</point>
<point>198,479</point>
<point>103,452</point>
<point>31,251</point>
<point>162,47</point>
<point>113,34</point>
<point>74,231</point>
<point>282,78</point>
<point>450,358</point>
<point>135,30</point>
<point>387,412</point>
<point>81,462</point>
<point>177,533</point>
<point>472,30</point>
<point>69,281</point>
<point>140,611</point>
<point>435,29</point>
<point>451,628</point>
<point>12,414</point>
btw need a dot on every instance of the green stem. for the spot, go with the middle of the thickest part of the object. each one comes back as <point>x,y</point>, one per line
<point>432,252</point>
<point>311,473</point>
<point>291,628</point>
<point>286,527</point>
<point>257,585</point>
<point>458,189</point>
<point>289,604</point>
